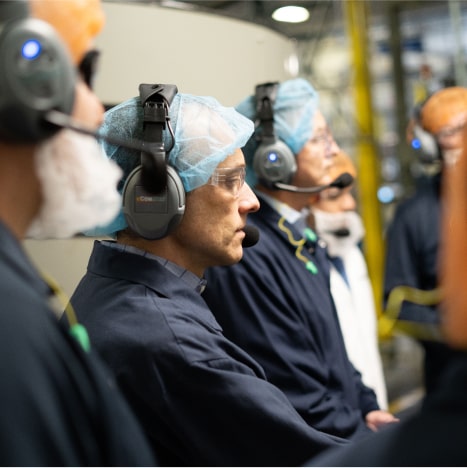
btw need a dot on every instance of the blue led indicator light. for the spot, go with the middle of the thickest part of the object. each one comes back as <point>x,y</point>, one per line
<point>272,157</point>
<point>31,49</point>
<point>416,144</point>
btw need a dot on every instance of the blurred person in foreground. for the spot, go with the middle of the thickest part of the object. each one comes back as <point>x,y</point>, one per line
<point>334,217</point>
<point>202,400</point>
<point>413,236</point>
<point>60,405</point>
<point>276,302</point>
<point>434,436</point>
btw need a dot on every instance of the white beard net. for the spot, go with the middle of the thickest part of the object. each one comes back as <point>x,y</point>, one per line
<point>79,186</point>
<point>450,157</point>
<point>327,224</point>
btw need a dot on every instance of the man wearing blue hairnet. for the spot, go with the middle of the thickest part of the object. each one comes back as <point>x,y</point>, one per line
<point>276,303</point>
<point>202,400</point>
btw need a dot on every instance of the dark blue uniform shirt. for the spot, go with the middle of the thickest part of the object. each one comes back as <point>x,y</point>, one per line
<point>433,436</point>
<point>201,399</point>
<point>276,304</point>
<point>412,242</point>
<point>412,248</point>
<point>59,406</point>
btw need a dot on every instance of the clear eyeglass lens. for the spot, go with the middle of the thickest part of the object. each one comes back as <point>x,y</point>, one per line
<point>326,139</point>
<point>450,132</point>
<point>229,179</point>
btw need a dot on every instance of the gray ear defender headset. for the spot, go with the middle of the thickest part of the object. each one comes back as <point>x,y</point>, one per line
<point>273,161</point>
<point>424,142</point>
<point>428,146</point>
<point>153,194</point>
<point>37,75</point>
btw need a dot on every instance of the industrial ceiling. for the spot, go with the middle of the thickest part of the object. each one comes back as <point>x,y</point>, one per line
<point>326,16</point>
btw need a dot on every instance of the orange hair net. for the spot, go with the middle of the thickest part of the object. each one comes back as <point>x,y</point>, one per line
<point>341,163</point>
<point>443,107</point>
<point>78,22</point>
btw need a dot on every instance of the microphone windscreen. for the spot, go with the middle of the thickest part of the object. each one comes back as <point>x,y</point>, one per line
<point>342,232</point>
<point>251,236</point>
<point>343,181</point>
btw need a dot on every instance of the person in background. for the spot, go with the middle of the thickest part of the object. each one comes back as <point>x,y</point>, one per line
<point>276,302</point>
<point>435,435</point>
<point>412,238</point>
<point>334,218</point>
<point>60,405</point>
<point>202,400</point>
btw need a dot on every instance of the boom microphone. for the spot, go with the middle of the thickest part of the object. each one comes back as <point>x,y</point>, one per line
<point>154,171</point>
<point>251,236</point>
<point>343,181</point>
<point>342,232</point>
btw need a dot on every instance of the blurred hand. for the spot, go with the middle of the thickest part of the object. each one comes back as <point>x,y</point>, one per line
<point>379,418</point>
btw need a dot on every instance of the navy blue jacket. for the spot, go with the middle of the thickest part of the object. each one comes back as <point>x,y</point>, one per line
<point>281,313</point>
<point>201,399</point>
<point>434,436</point>
<point>412,248</point>
<point>412,242</point>
<point>59,405</point>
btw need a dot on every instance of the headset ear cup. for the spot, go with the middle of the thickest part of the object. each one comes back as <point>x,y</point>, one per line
<point>429,148</point>
<point>37,76</point>
<point>153,216</point>
<point>274,162</point>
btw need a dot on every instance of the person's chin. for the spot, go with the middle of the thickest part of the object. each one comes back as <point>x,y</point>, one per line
<point>236,254</point>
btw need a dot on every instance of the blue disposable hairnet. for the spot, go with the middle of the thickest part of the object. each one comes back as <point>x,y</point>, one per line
<point>294,108</point>
<point>205,134</point>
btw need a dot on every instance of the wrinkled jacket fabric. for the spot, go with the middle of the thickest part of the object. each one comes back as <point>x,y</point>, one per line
<point>60,406</point>
<point>283,315</point>
<point>201,399</point>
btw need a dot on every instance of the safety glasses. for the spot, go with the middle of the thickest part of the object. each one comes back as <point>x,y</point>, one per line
<point>229,179</point>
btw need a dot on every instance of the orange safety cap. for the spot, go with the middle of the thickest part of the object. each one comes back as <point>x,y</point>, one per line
<point>443,107</point>
<point>78,22</point>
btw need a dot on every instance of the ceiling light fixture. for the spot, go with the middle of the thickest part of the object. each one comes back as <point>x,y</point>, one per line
<point>291,14</point>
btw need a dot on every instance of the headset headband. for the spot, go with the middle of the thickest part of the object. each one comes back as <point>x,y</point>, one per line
<point>265,98</point>
<point>273,160</point>
<point>156,100</point>
<point>153,195</point>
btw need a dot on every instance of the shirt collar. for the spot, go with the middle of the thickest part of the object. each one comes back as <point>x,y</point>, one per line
<point>297,218</point>
<point>289,213</point>
<point>198,284</point>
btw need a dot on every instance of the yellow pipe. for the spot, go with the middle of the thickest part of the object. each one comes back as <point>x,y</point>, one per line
<point>366,156</point>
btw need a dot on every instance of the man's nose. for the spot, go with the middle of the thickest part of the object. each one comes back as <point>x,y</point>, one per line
<point>248,199</point>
